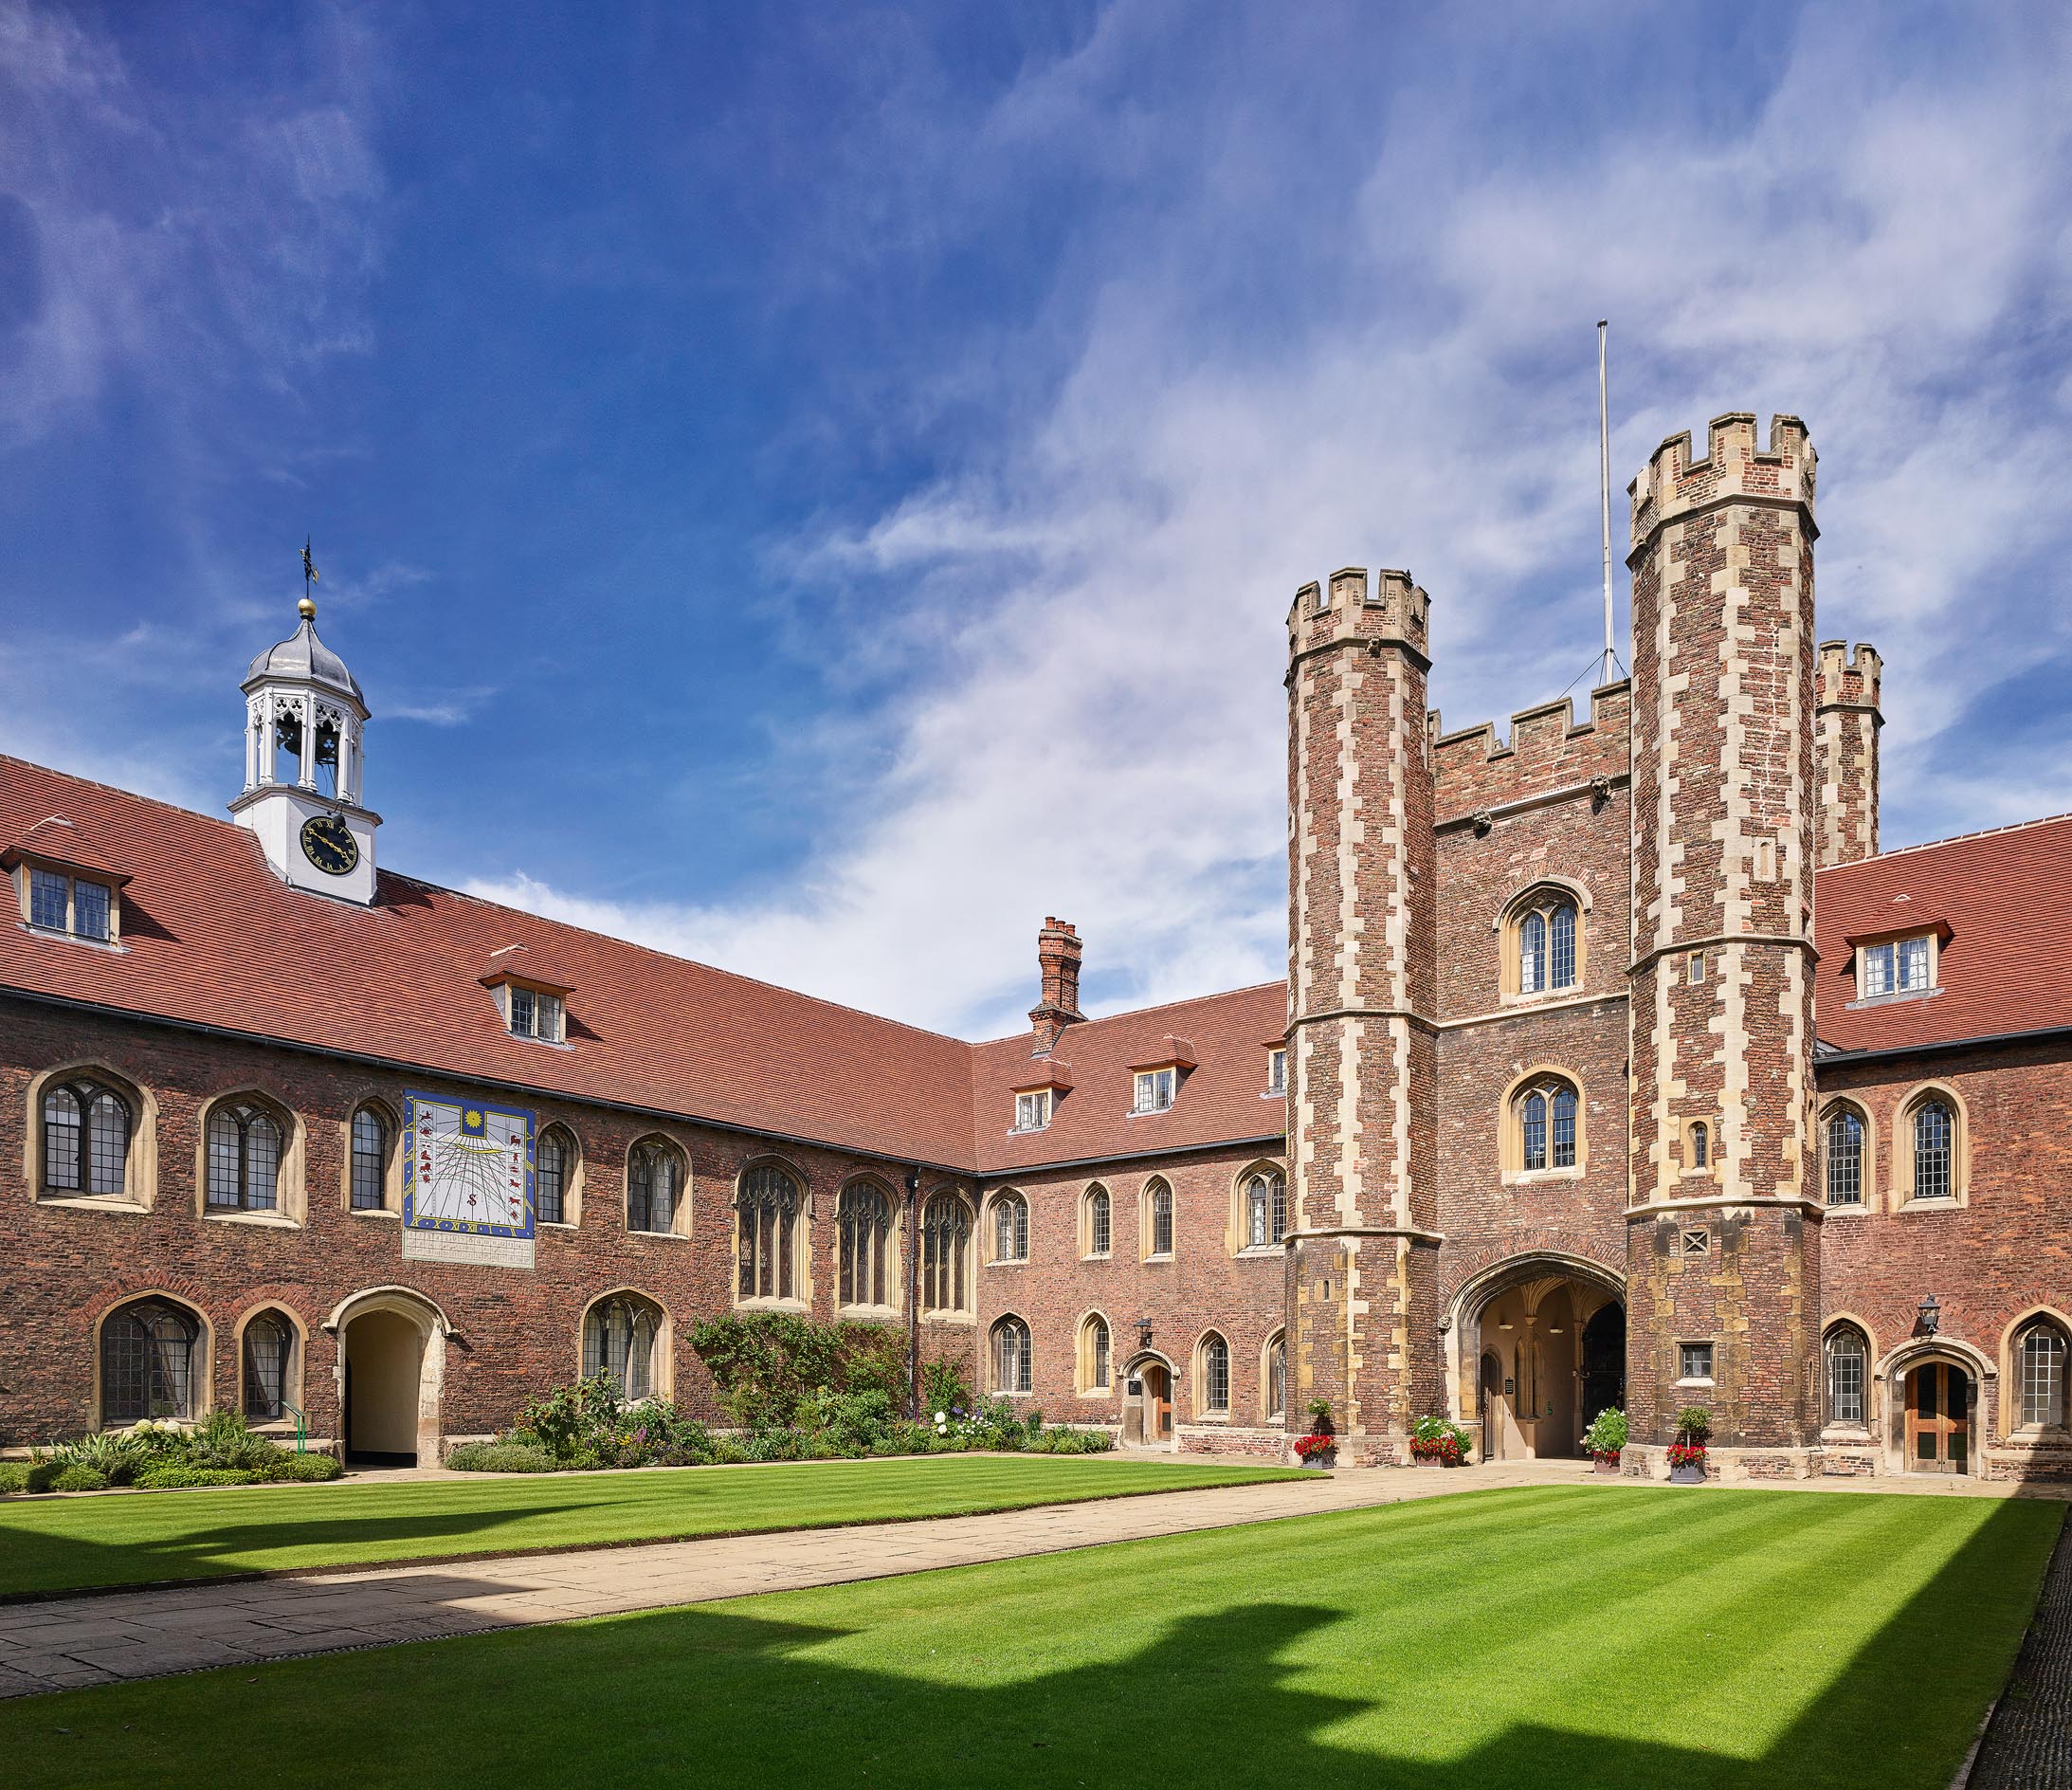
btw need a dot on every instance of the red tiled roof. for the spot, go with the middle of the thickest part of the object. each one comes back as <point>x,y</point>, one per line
<point>58,840</point>
<point>2006,964</point>
<point>211,936</point>
<point>1218,1101</point>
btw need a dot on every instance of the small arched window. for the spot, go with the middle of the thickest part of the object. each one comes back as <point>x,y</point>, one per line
<point>2041,1363</point>
<point>269,1356</point>
<point>243,1158</point>
<point>370,1159</point>
<point>1844,1143</point>
<point>1265,1209</point>
<point>86,1140</point>
<point>1544,937</point>
<point>1700,1145</point>
<point>620,1334</point>
<point>1546,1125</point>
<point>946,1255</point>
<point>1099,1221</point>
<point>1215,1359</point>
<point>149,1354</point>
<point>1009,1228</point>
<point>1276,1376</point>
<point>1013,1358</point>
<point>1158,1214</point>
<point>1094,1354</point>
<point>552,1162</point>
<point>864,1220</point>
<point>767,1234</point>
<point>1934,1150</point>
<point>1847,1358</point>
<point>654,1184</point>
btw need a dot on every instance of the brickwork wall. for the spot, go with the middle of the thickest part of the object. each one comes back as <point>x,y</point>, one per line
<point>1548,752</point>
<point>1205,1285</point>
<point>62,1267</point>
<point>1724,847</point>
<point>1363,1091</point>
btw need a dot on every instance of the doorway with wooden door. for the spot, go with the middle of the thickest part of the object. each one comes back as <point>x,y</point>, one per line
<point>1938,1418</point>
<point>1146,1410</point>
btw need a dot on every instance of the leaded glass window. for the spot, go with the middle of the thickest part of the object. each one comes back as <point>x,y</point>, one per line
<point>86,1140</point>
<point>1159,1201</point>
<point>1276,1377</point>
<point>864,1219</point>
<point>653,1182</point>
<point>268,1346</point>
<point>767,1210</point>
<point>550,1176</point>
<point>49,896</point>
<point>1532,954</point>
<point>1844,1158</point>
<point>1934,1133</point>
<point>1533,1131</point>
<point>945,1262</point>
<point>1846,1358</point>
<point>244,1159</point>
<point>369,1160</point>
<point>2043,1378</point>
<point>1011,1228</point>
<point>1097,1354</point>
<point>1700,1146</point>
<point>1265,1210</point>
<point>1215,1374</point>
<point>1561,948</point>
<point>1099,1221</point>
<point>1564,1127</point>
<point>147,1362</point>
<point>1013,1357</point>
<point>90,910</point>
<point>619,1338</point>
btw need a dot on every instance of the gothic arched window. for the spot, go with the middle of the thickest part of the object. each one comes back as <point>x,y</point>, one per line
<point>149,1355</point>
<point>2041,1363</point>
<point>269,1354</point>
<point>370,1159</point>
<point>1935,1130</point>
<point>1158,1218</point>
<point>1094,1354</point>
<point>1215,1374</point>
<point>1099,1220</point>
<point>1546,1125</point>
<point>243,1156</point>
<point>1844,1141</point>
<point>864,1221</point>
<point>1013,1357</point>
<point>946,1255</point>
<point>620,1334</point>
<point>1265,1215</point>
<point>1009,1228</point>
<point>767,1234</point>
<point>552,1163</point>
<point>1847,1359</point>
<point>654,1184</point>
<point>1277,1376</point>
<point>86,1139</point>
<point>1544,939</point>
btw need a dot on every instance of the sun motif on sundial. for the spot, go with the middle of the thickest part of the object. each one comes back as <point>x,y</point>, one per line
<point>468,1167</point>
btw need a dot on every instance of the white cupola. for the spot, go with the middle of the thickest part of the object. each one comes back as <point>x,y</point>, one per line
<point>305,720</point>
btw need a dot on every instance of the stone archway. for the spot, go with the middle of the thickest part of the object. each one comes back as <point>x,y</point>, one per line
<point>1147,1402</point>
<point>1536,1346</point>
<point>390,1373</point>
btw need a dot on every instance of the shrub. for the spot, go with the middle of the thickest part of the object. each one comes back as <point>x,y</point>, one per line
<point>76,1478</point>
<point>224,1440</point>
<point>764,1363</point>
<point>849,1423</point>
<point>1694,1425</point>
<point>572,1420</point>
<point>1606,1433</point>
<point>308,1468</point>
<point>14,1476</point>
<point>40,1474</point>
<point>170,1476</point>
<point>498,1457</point>
<point>943,1387</point>
<point>117,1456</point>
<point>1070,1441</point>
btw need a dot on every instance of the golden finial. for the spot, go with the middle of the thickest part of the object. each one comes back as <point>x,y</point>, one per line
<point>306,609</point>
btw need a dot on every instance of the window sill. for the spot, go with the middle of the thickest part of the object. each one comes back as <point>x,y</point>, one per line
<point>1275,1093</point>
<point>947,1317</point>
<point>265,1220</point>
<point>772,1304</point>
<point>564,1224</point>
<point>1009,1261</point>
<point>657,1237</point>
<point>1847,1209</point>
<point>1516,997</point>
<point>92,1203</point>
<point>998,1394</point>
<point>1263,1251</point>
<point>1026,1131</point>
<point>373,1212</point>
<point>1162,1255</point>
<point>1698,1385</point>
<point>1149,1112</point>
<point>1530,1176</point>
<point>1220,1418</point>
<point>868,1314</point>
<point>1893,999</point>
<point>552,1044</point>
<point>1854,1434</point>
<point>1099,1256</point>
<point>66,935</point>
<point>1695,1174</point>
<point>1932,1203</point>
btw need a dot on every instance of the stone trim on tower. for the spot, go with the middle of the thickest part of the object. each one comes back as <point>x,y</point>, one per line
<point>1847,719</point>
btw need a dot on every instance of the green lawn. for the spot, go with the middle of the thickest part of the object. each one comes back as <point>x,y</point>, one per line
<point>1572,1636</point>
<point>59,1543</point>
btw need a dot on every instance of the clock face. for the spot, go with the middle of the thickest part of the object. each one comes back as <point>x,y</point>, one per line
<point>328,842</point>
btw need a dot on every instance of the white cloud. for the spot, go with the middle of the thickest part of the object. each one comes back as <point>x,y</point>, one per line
<point>1089,610</point>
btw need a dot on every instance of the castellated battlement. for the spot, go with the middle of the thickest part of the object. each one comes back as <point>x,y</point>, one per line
<point>1346,607</point>
<point>1846,681</point>
<point>1675,484</point>
<point>1548,752</point>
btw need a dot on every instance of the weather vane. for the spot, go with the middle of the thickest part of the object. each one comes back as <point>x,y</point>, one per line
<point>309,577</point>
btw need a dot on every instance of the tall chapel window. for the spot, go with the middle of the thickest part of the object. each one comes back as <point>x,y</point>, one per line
<point>2043,1378</point>
<point>946,1255</point>
<point>864,1222</point>
<point>766,1247</point>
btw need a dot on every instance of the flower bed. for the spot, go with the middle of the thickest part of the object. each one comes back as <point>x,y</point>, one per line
<point>221,1451</point>
<point>1438,1442</point>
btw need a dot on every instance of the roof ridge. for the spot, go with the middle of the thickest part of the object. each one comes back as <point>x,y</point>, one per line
<point>1954,839</point>
<point>1135,1013</point>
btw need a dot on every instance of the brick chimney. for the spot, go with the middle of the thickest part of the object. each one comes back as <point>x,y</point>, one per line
<point>1058,951</point>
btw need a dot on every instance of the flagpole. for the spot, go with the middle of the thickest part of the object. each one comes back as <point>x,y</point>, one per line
<point>1604,485</point>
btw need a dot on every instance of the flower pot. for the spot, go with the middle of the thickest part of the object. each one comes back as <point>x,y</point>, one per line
<point>1606,1463</point>
<point>1693,1474</point>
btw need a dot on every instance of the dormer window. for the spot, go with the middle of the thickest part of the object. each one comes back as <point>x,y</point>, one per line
<point>1901,967</point>
<point>1032,1109</point>
<point>1155,1089</point>
<point>534,1014</point>
<point>64,885</point>
<point>1277,1070</point>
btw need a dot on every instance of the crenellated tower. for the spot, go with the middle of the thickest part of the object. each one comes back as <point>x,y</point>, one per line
<point>1362,1273</point>
<point>1847,721</point>
<point>1724,1247</point>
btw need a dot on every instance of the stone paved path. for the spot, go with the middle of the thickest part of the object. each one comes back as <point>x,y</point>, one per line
<point>92,1641</point>
<point>100,1640</point>
<point>2028,1744</point>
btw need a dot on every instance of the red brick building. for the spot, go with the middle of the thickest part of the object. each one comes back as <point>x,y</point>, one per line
<point>1615,1066</point>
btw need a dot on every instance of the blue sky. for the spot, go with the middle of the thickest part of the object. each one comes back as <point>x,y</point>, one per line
<point>819,488</point>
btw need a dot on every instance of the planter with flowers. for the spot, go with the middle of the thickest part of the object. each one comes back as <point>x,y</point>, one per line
<point>1605,1437</point>
<point>1438,1442</point>
<point>1687,1453</point>
<point>1320,1446</point>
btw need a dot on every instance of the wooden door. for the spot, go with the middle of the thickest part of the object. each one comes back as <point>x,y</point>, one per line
<point>1158,1407</point>
<point>1939,1420</point>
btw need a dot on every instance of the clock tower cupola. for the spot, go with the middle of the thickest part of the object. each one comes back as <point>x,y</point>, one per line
<point>304,726</point>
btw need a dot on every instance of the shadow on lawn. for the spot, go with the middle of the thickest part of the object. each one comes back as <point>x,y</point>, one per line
<point>1219,1698</point>
<point>58,1561</point>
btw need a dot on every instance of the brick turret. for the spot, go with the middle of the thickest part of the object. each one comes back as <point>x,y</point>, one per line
<point>1057,954</point>
<point>1847,721</point>
<point>1723,1252</point>
<point>1362,1280</point>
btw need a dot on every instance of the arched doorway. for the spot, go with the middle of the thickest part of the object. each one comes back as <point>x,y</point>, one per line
<point>1941,1402</point>
<point>1537,1348</point>
<point>1147,1404</point>
<point>392,1357</point>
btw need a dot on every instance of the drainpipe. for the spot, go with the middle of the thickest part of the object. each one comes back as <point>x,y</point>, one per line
<point>913,1298</point>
